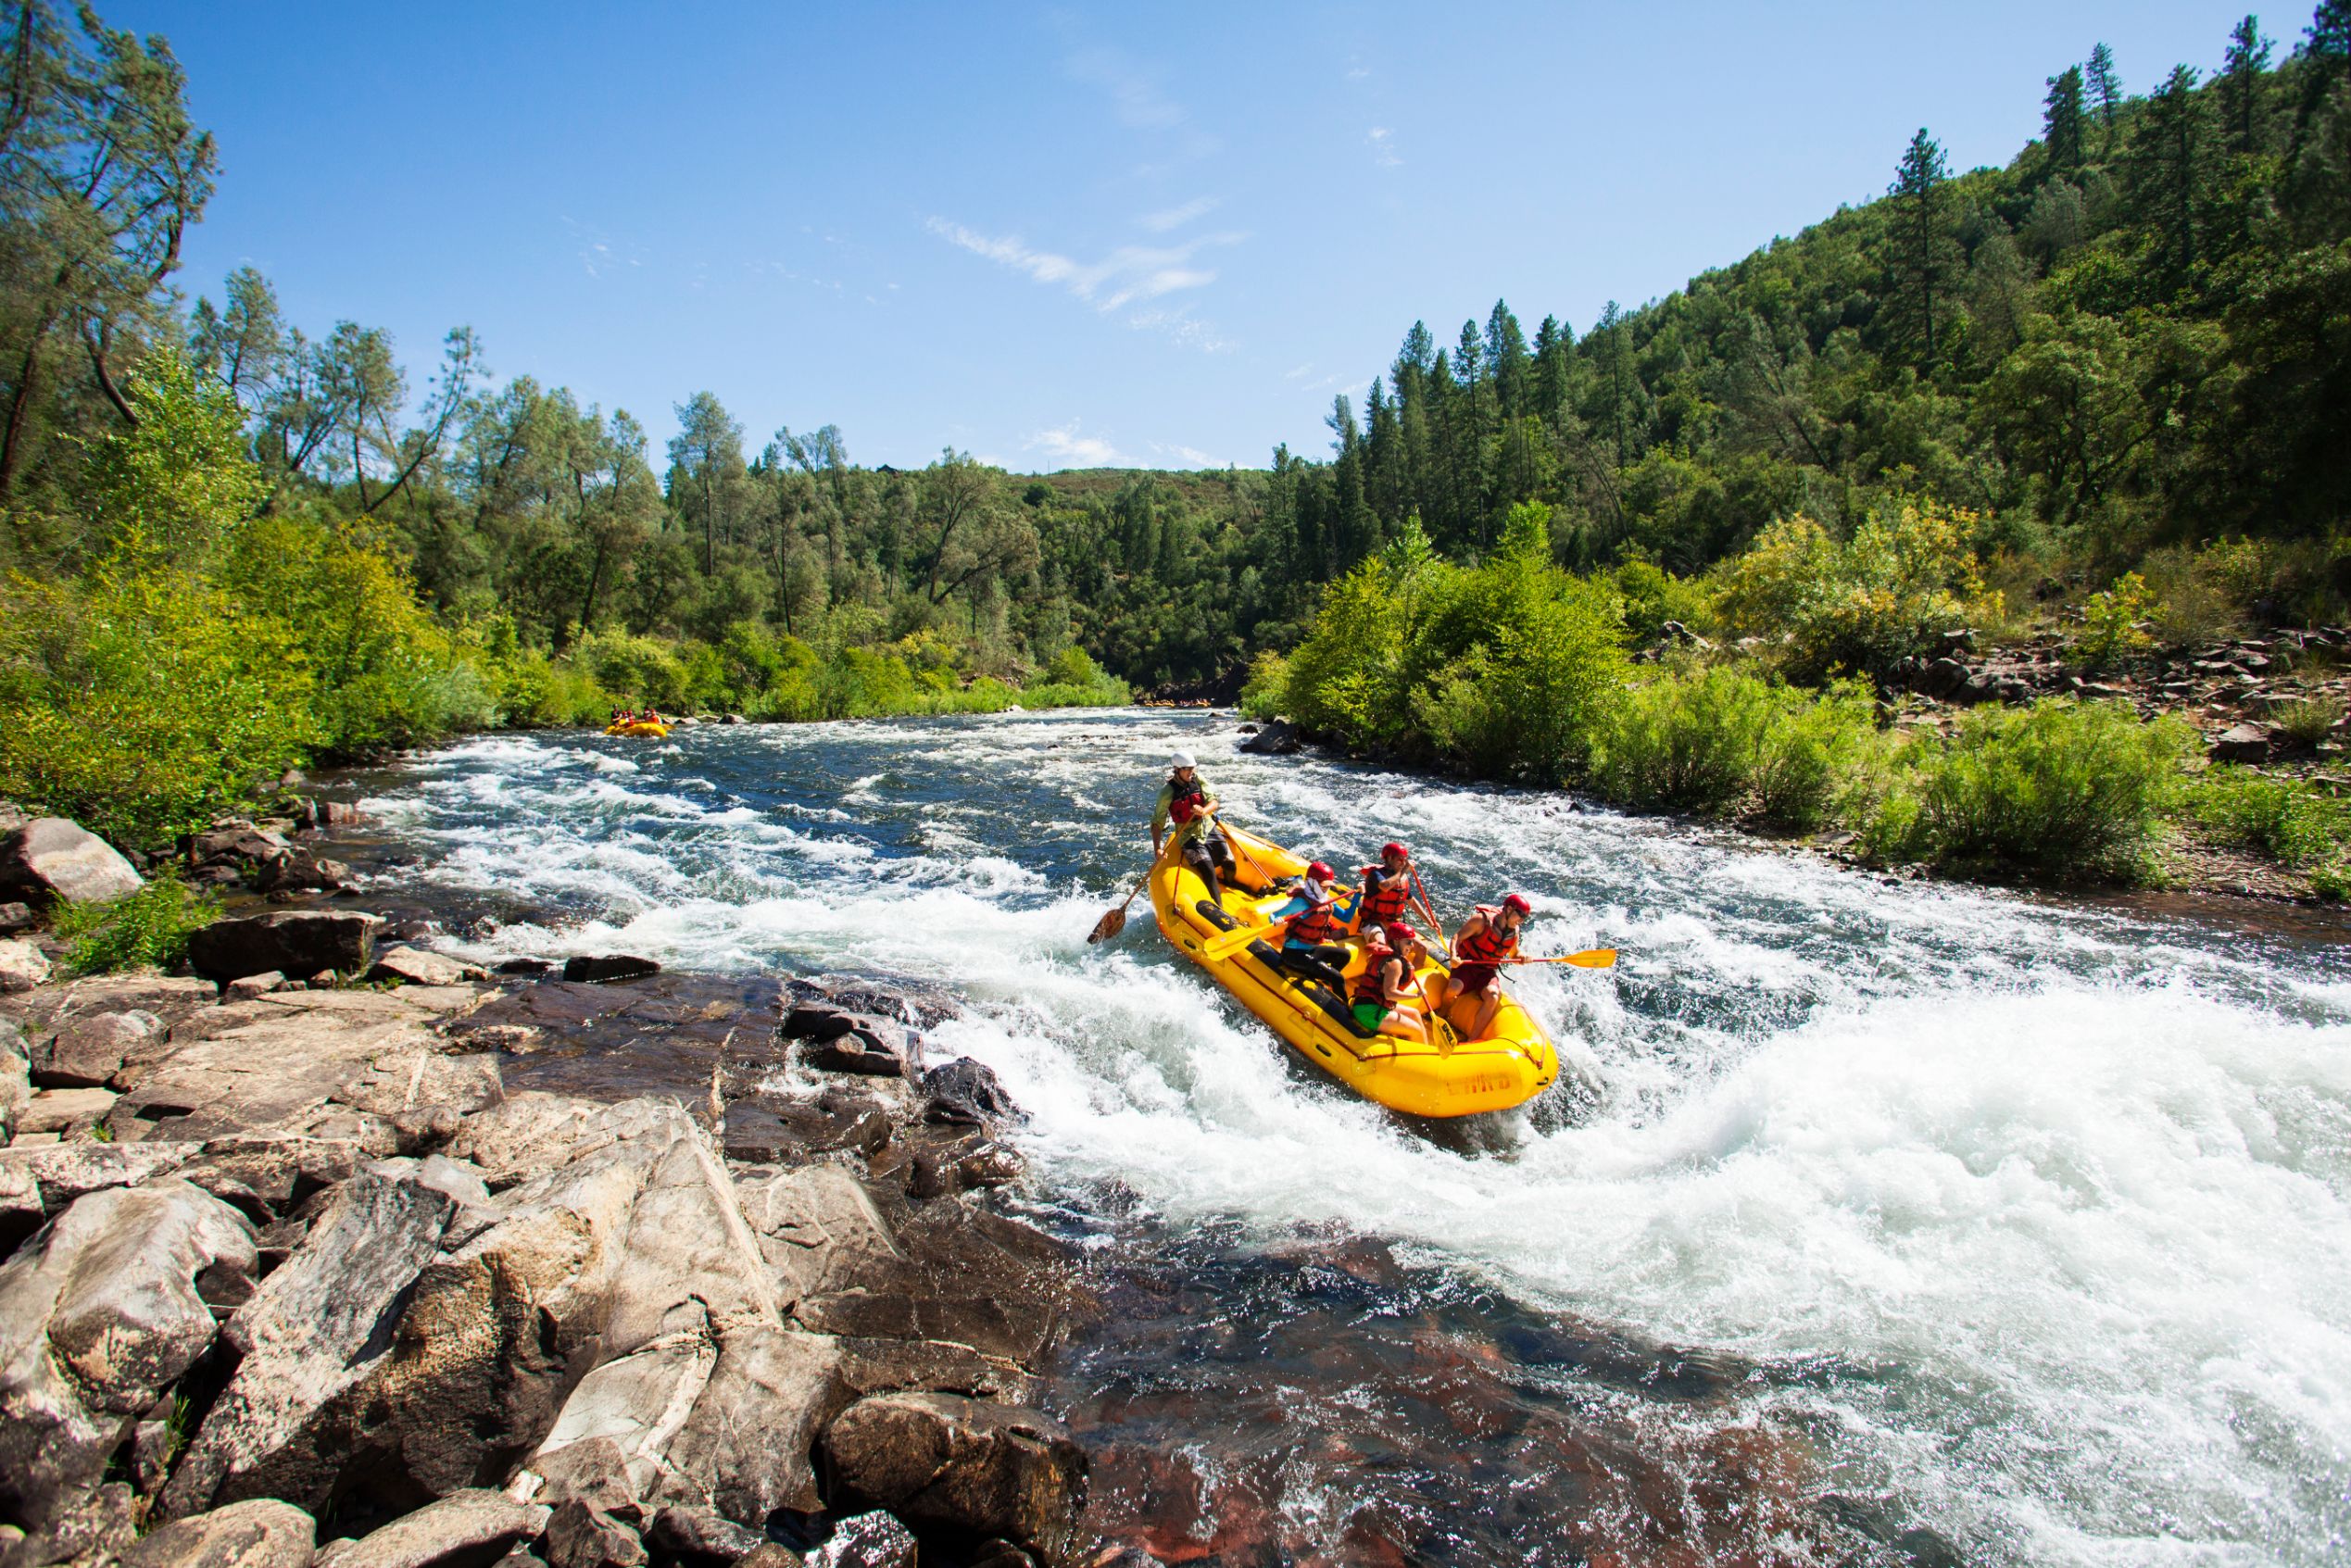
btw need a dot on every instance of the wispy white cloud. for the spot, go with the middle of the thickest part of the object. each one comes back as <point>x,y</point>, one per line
<point>1177,217</point>
<point>1189,456</point>
<point>1137,100</point>
<point>1127,275</point>
<point>1382,142</point>
<point>1183,328</point>
<point>1072,448</point>
<point>1305,370</point>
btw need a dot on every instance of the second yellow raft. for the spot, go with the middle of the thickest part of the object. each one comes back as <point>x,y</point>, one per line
<point>1449,1077</point>
<point>641,728</point>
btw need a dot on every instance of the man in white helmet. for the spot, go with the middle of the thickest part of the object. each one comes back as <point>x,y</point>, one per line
<point>1185,800</point>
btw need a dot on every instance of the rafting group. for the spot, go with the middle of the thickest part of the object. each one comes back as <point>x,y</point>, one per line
<point>1342,972</point>
<point>644,721</point>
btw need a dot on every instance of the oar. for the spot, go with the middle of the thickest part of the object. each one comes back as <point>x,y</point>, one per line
<point>1114,923</point>
<point>1592,957</point>
<point>1232,942</point>
<point>1428,906</point>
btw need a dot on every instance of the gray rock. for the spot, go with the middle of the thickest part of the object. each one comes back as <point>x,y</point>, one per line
<point>819,1230</point>
<point>313,1329</point>
<point>65,1110</point>
<point>22,966</point>
<point>15,917</point>
<point>418,966</point>
<point>746,1446</point>
<point>60,1173</point>
<point>965,1092</point>
<point>966,1471</point>
<point>98,1315</point>
<point>867,1540</point>
<point>1279,738</point>
<point>291,941</point>
<point>581,1537</point>
<point>51,857</point>
<point>262,1532</point>
<point>245,988</point>
<point>474,1526</point>
<point>703,1535</point>
<point>88,1050</point>
<point>2242,743</point>
<point>16,1078</point>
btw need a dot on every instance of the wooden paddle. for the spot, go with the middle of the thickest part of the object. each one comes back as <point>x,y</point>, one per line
<point>1592,957</point>
<point>1114,923</point>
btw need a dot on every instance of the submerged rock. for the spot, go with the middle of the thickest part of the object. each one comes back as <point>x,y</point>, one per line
<point>610,966</point>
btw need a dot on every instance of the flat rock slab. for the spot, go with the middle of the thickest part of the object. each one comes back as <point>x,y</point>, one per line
<point>405,965</point>
<point>667,1034</point>
<point>262,1532</point>
<point>471,1526</point>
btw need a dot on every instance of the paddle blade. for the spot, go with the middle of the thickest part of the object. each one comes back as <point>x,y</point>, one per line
<point>1110,925</point>
<point>1596,958</point>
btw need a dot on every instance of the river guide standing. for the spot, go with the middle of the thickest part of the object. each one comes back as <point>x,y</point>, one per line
<point>1185,800</point>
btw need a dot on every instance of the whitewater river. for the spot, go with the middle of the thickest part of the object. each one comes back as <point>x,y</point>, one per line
<point>1868,1222</point>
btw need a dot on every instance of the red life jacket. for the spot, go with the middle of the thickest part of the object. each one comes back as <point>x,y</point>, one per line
<point>1387,897</point>
<point>1185,803</point>
<point>1490,945</point>
<point>1314,925</point>
<point>1372,985</point>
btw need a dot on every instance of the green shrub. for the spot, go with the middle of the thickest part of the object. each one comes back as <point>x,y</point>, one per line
<point>1820,755</point>
<point>2307,720</point>
<point>1262,692</point>
<point>2284,819</point>
<point>1653,596</point>
<point>2060,786</point>
<point>2110,621</point>
<point>150,926</point>
<point>1719,740</point>
<point>1070,667</point>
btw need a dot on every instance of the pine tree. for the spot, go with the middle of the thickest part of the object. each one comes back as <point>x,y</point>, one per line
<point>1923,253</point>
<point>2170,173</point>
<point>2105,92</point>
<point>1555,356</point>
<point>2241,83</point>
<point>1506,360</point>
<point>2061,121</point>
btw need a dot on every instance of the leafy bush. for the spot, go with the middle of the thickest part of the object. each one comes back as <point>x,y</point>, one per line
<point>2110,620</point>
<point>1858,604</point>
<point>150,926</point>
<point>1719,740</point>
<point>2060,785</point>
<point>1653,596</point>
<point>2284,819</point>
<point>1262,694</point>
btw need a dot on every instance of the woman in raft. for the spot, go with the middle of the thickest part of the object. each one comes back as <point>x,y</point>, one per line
<point>1387,989</point>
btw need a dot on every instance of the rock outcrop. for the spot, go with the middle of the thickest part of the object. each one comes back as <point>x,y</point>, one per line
<point>292,942</point>
<point>52,859</point>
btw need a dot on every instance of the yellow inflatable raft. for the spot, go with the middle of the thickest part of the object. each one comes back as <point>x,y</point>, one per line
<point>1450,1077</point>
<point>642,728</point>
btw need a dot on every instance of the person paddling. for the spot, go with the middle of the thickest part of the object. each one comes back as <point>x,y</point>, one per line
<point>1486,940</point>
<point>1388,894</point>
<point>1185,800</point>
<point>1393,954</point>
<point>1311,931</point>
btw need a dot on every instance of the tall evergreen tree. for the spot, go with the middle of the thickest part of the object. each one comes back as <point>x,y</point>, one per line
<point>2241,72</point>
<point>2169,176</point>
<point>2106,93</point>
<point>1506,360</point>
<point>2061,121</point>
<point>1555,360</point>
<point>1923,252</point>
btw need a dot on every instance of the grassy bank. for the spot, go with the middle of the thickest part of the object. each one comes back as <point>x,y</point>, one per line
<point>1517,669</point>
<point>199,649</point>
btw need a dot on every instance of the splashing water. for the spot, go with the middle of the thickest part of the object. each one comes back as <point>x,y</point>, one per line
<point>2036,1213</point>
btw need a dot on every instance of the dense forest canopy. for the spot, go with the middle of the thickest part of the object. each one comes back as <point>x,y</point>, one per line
<point>2136,333</point>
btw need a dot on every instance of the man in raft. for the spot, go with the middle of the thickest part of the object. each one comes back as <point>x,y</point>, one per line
<point>1486,939</point>
<point>1387,894</point>
<point>1185,800</point>
<point>1312,930</point>
<point>1391,956</point>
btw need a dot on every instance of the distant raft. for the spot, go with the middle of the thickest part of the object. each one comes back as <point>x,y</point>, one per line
<point>645,729</point>
<point>1448,1077</point>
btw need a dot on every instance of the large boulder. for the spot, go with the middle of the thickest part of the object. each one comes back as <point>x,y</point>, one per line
<point>51,859</point>
<point>1279,738</point>
<point>315,1327</point>
<point>966,1093</point>
<point>292,941</point>
<point>960,1470</point>
<point>262,1532</point>
<point>99,1315</point>
<point>474,1527</point>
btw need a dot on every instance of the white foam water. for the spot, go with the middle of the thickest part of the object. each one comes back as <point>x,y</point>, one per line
<point>2041,1211</point>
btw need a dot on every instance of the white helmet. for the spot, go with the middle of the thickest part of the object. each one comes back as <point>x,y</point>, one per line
<point>1184,760</point>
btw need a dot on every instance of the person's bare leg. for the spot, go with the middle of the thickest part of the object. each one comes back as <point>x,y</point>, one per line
<point>1488,1005</point>
<point>1403,1026</point>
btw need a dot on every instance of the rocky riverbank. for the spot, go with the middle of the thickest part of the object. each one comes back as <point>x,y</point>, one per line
<point>323,1275</point>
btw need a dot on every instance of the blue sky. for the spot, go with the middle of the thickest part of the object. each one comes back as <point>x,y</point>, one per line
<point>1155,235</point>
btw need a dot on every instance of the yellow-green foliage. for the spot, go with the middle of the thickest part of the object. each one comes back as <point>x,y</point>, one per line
<point>2110,620</point>
<point>1858,604</point>
<point>2285,818</point>
<point>1498,667</point>
<point>1653,596</point>
<point>1262,694</point>
<point>150,926</point>
<point>2060,786</point>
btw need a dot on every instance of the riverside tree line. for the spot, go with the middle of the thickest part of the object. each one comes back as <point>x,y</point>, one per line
<point>2115,366</point>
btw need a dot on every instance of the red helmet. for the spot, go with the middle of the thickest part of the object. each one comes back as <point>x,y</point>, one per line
<point>1399,933</point>
<point>1518,901</point>
<point>1319,871</point>
<point>1397,850</point>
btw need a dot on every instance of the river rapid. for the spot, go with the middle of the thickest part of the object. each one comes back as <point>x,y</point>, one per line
<point>1868,1222</point>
